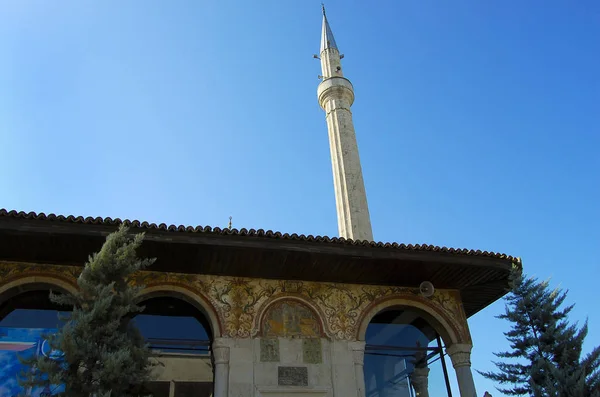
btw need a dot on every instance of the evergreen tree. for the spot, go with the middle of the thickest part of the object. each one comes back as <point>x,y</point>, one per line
<point>545,356</point>
<point>102,354</point>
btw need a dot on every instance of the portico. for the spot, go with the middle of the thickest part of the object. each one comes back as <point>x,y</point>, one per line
<point>284,313</point>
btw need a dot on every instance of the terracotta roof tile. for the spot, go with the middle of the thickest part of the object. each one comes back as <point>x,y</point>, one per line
<point>251,232</point>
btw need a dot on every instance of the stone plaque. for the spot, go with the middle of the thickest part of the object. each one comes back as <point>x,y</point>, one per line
<point>312,352</point>
<point>292,376</point>
<point>269,349</point>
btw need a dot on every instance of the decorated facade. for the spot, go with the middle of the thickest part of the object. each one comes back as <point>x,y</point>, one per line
<point>277,314</point>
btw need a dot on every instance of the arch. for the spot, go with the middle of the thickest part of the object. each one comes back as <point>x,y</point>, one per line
<point>273,302</point>
<point>195,299</point>
<point>31,291</point>
<point>436,318</point>
<point>36,283</point>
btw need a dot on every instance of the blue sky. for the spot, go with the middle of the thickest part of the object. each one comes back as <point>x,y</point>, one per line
<point>477,123</point>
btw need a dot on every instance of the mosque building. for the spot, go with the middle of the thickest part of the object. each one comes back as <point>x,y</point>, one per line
<point>259,313</point>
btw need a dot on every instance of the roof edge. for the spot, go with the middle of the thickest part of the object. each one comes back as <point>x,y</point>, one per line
<point>13,214</point>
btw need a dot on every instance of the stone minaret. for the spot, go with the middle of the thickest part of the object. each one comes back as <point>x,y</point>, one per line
<point>336,95</point>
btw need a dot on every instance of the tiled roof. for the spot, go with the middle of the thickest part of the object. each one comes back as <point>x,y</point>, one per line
<point>252,232</point>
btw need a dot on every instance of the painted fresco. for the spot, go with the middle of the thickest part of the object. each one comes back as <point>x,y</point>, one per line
<point>290,319</point>
<point>24,342</point>
<point>238,301</point>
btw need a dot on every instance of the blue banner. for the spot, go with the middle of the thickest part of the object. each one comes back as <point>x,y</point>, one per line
<point>24,342</point>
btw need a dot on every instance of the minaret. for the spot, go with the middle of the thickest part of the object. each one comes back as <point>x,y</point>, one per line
<point>336,95</point>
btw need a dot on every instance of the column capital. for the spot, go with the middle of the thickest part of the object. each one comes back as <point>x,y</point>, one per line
<point>460,354</point>
<point>357,345</point>
<point>220,348</point>
<point>358,351</point>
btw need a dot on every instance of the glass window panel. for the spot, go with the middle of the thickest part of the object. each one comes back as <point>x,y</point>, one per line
<point>174,326</point>
<point>32,318</point>
<point>397,341</point>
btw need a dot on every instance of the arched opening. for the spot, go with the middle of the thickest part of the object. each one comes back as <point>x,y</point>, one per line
<point>180,336</point>
<point>29,306</point>
<point>177,331</point>
<point>404,355</point>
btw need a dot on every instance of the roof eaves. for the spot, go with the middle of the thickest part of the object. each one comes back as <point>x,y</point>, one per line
<point>250,232</point>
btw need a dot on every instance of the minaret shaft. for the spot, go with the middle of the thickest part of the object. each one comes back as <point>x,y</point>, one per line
<point>336,95</point>
<point>350,196</point>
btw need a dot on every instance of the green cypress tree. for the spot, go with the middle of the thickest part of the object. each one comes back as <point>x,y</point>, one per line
<point>545,357</point>
<point>103,354</point>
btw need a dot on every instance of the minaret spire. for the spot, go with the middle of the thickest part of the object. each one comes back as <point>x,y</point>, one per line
<point>336,95</point>
<point>327,40</point>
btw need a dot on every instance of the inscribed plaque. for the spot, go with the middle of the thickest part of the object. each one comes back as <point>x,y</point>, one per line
<point>269,349</point>
<point>312,352</point>
<point>292,376</point>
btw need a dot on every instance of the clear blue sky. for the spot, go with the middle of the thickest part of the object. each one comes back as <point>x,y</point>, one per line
<point>478,123</point>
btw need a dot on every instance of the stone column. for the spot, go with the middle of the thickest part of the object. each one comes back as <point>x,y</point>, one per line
<point>358,354</point>
<point>221,355</point>
<point>420,381</point>
<point>460,353</point>
<point>172,388</point>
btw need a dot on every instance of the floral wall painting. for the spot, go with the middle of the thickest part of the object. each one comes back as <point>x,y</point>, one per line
<point>245,307</point>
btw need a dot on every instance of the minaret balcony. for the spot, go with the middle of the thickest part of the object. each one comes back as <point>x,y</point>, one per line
<point>337,88</point>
